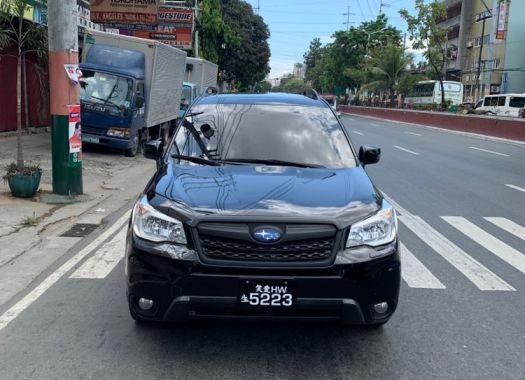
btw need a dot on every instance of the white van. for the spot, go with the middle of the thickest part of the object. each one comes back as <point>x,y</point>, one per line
<point>502,104</point>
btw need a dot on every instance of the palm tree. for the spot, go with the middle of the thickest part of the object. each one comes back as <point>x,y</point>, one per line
<point>27,37</point>
<point>389,70</point>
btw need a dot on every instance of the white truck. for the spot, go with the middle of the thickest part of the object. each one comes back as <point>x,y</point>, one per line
<point>131,90</point>
<point>200,75</point>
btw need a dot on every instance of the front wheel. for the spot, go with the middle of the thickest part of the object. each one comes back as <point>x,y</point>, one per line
<point>134,148</point>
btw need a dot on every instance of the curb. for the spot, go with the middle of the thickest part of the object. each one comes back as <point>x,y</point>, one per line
<point>26,131</point>
<point>461,133</point>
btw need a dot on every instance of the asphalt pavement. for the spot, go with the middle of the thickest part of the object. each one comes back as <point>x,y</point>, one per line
<point>461,204</point>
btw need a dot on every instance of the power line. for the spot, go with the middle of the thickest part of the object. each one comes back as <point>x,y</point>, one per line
<point>361,10</point>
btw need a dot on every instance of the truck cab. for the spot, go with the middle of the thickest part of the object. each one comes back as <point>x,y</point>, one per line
<point>112,98</point>
<point>189,94</point>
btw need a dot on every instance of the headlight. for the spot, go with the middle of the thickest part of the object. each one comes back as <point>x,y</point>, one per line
<point>152,225</point>
<point>119,132</point>
<point>379,229</point>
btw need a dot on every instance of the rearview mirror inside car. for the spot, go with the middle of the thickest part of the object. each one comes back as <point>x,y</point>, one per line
<point>369,155</point>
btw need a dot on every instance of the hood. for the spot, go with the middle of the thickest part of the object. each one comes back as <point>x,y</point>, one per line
<point>339,195</point>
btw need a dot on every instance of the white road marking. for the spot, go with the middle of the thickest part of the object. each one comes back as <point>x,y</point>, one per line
<point>413,133</point>
<point>415,274</point>
<point>107,257</point>
<point>15,310</point>
<point>509,226</point>
<point>358,133</point>
<point>503,251</point>
<point>489,151</point>
<point>406,150</point>
<point>515,187</point>
<point>478,274</point>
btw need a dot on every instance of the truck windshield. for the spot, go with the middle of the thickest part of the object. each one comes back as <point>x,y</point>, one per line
<point>106,88</point>
<point>186,97</point>
<point>266,132</point>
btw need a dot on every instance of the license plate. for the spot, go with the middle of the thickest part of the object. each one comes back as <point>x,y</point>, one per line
<point>265,294</point>
<point>90,139</point>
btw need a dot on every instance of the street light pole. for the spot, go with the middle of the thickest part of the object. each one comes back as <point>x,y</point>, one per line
<point>484,17</point>
<point>63,49</point>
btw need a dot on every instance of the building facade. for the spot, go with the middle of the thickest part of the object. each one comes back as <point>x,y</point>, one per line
<point>477,44</point>
<point>513,78</point>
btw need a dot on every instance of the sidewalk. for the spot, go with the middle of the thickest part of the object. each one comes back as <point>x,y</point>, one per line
<point>110,181</point>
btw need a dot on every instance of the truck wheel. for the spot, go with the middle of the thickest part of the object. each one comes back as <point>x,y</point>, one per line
<point>134,149</point>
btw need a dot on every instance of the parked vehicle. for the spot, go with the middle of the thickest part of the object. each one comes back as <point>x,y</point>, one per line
<point>501,105</point>
<point>200,75</point>
<point>262,208</point>
<point>429,92</point>
<point>130,90</point>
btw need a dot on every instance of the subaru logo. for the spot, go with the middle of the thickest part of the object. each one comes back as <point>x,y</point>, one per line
<point>267,234</point>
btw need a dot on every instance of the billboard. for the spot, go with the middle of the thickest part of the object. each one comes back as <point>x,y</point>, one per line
<point>132,12</point>
<point>502,19</point>
<point>175,27</point>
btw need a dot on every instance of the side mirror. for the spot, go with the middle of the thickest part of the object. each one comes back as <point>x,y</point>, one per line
<point>153,149</point>
<point>139,102</point>
<point>369,155</point>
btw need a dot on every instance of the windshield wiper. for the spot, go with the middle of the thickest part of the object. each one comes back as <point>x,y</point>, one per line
<point>197,160</point>
<point>273,162</point>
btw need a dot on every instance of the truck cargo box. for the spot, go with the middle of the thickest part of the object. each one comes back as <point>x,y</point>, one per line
<point>201,72</point>
<point>163,74</point>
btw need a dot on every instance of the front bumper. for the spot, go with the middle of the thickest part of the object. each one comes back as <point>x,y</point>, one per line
<point>107,141</point>
<point>187,289</point>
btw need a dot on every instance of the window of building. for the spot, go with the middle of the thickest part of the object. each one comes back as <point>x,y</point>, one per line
<point>486,40</point>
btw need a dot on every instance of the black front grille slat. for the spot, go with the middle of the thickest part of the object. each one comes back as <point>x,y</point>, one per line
<point>221,248</point>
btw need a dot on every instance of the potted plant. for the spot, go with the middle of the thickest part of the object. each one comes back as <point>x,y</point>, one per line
<point>23,183</point>
<point>26,37</point>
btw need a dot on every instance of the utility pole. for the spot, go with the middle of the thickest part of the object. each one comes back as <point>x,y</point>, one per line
<point>381,5</point>
<point>347,14</point>
<point>63,49</point>
<point>196,15</point>
<point>258,7</point>
<point>482,17</point>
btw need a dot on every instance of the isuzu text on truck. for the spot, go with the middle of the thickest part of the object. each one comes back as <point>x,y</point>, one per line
<point>130,90</point>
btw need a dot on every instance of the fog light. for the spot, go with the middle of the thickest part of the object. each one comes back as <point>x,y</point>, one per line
<point>145,304</point>
<point>381,308</point>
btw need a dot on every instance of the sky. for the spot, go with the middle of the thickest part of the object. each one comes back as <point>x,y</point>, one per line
<point>294,23</point>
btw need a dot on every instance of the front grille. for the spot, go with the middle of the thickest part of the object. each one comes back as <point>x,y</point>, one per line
<point>245,249</point>
<point>88,129</point>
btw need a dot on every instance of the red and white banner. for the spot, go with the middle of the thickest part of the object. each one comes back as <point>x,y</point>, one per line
<point>124,12</point>
<point>502,20</point>
<point>75,130</point>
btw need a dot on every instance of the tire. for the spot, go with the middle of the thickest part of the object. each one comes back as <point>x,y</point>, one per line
<point>135,147</point>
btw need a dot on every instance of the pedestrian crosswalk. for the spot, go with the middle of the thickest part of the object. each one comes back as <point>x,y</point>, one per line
<point>416,262</point>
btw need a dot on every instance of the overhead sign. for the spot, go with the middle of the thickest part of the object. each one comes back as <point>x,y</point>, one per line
<point>124,11</point>
<point>502,20</point>
<point>174,15</point>
<point>175,27</point>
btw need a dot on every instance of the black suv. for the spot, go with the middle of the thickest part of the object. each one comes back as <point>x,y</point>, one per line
<point>261,208</point>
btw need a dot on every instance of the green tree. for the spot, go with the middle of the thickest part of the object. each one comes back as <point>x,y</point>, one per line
<point>426,33</point>
<point>26,37</point>
<point>213,31</point>
<point>246,63</point>
<point>262,87</point>
<point>389,70</point>
<point>342,63</point>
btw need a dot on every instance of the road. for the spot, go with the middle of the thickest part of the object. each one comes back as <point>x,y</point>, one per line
<point>461,202</point>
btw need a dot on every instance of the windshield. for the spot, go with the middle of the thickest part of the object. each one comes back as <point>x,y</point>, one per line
<point>288,133</point>
<point>107,88</point>
<point>186,97</point>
